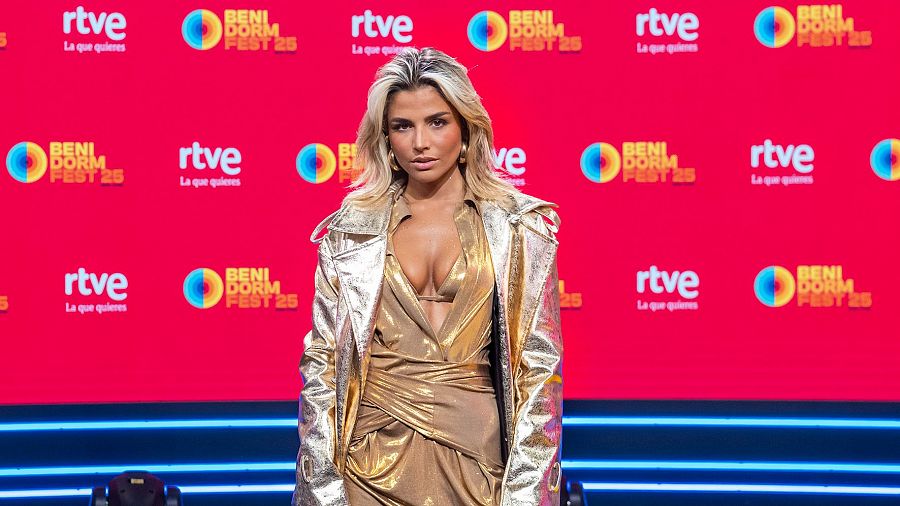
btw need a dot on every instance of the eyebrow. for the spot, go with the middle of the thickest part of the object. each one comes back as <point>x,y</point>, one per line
<point>429,118</point>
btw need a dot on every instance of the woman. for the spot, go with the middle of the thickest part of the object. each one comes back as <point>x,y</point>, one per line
<point>432,371</point>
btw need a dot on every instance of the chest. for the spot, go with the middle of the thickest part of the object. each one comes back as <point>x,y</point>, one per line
<point>428,246</point>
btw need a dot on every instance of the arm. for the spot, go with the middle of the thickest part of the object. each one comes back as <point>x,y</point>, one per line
<point>317,480</point>
<point>532,472</point>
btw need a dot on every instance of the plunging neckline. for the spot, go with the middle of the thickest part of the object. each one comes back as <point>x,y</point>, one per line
<point>437,291</point>
<point>437,334</point>
<point>459,215</point>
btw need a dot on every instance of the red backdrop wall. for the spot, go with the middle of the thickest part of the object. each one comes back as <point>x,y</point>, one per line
<point>664,272</point>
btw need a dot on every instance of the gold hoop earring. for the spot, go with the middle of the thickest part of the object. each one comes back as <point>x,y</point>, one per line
<point>463,152</point>
<point>392,159</point>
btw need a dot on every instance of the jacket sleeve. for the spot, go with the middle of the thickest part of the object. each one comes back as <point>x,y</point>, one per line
<point>533,471</point>
<point>317,479</point>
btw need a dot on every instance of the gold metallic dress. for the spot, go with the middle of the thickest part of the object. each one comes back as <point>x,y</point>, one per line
<point>428,430</point>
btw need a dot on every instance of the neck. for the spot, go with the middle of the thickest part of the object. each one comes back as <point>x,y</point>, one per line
<point>451,188</point>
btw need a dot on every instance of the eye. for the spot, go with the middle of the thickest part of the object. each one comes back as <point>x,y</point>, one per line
<point>438,122</point>
<point>399,126</point>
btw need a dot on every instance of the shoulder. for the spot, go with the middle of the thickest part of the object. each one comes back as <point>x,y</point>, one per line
<point>317,236</point>
<point>534,212</point>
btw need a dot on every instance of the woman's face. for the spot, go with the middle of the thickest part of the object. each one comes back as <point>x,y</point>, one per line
<point>425,134</point>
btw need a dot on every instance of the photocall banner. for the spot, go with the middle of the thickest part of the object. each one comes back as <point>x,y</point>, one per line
<point>726,174</point>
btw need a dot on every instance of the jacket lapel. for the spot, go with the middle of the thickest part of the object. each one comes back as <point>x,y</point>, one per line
<point>499,238</point>
<point>531,260</point>
<point>496,228</point>
<point>361,272</point>
<point>360,265</point>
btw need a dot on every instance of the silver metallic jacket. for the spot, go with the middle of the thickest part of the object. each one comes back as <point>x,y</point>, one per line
<point>335,361</point>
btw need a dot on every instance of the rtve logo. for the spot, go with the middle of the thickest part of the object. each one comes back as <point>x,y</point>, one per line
<point>113,284</point>
<point>659,24</point>
<point>510,160</point>
<point>775,155</point>
<point>112,24</point>
<point>684,282</point>
<point>398,27</point>
<point>228,159</point>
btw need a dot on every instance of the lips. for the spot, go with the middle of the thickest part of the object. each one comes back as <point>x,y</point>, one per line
<point>424,164</point>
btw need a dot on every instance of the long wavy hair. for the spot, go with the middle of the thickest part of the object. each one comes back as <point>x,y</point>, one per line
<point>410,69</point>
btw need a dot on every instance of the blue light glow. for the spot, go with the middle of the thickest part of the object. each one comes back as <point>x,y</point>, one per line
<point>589,486</point>
<point>808,423</point>
<point>689,465</point>
<point>150,468</point>
<point>570,421</point>
<point>741,487</point>
<point>685,465</point>
<point>151,424</point>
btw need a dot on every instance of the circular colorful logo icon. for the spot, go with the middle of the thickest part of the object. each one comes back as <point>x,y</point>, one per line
<point>202,29</point>
<point>203,288</point>
<point>487,31</point>
<point>774,27</point>
<point>26,162</point>
<point>774,286</point>
<point>600,162</point>
<point>316,163</point>
<point>885,159</point>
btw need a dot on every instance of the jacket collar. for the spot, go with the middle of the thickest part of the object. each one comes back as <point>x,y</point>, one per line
<point>401,209</point>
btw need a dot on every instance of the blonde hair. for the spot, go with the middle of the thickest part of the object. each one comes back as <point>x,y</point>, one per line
<point>410,69</point>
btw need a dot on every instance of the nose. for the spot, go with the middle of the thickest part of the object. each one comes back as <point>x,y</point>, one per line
<point>420,143</point>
